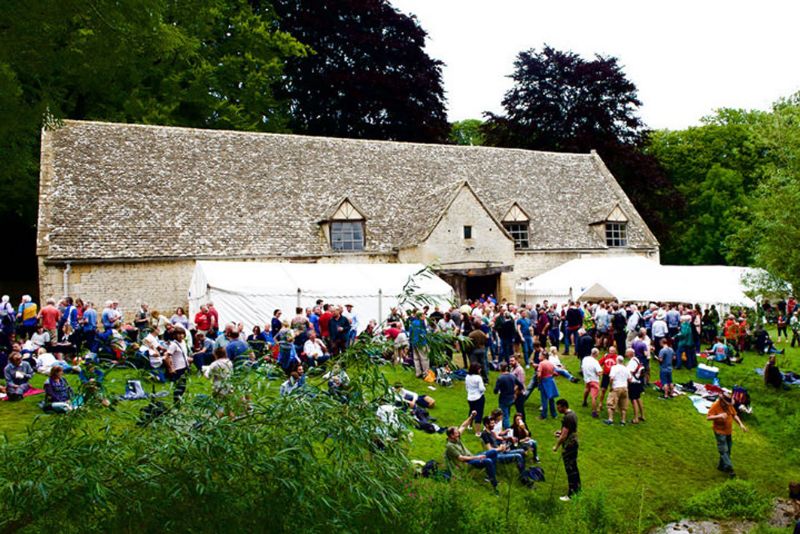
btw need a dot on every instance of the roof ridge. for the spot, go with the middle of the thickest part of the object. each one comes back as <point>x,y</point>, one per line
<point>346,140</point>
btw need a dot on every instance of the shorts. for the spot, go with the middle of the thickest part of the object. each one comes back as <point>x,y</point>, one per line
<point>592,388</point>
<point>666,378</point>
<point>421,402</point>
<point>635,391</point>
<point>618,399</point>
<point>604,382</point>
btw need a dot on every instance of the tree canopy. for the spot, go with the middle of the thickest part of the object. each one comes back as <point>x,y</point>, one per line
<point>206,63</point>
<point>369,76</point>
<point>467,132</point>
<point>565,103</point>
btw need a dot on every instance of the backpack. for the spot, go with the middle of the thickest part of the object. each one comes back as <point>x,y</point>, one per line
<point>430,469</point>
<point>151,412</point>
<point>531,475</point>
<point>443,378</point>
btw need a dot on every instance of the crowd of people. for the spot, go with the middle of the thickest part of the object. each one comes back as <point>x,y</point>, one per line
<point>615,345</point>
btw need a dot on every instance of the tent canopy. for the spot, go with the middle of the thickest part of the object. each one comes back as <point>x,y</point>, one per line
<point>249,292</point>
<point>638,279</point>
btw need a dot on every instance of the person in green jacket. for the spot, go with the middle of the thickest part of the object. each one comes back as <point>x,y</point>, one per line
<point>685,344</point>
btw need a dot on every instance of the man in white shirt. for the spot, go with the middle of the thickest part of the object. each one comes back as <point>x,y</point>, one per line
<point>315,350</point>
<point>633,325</point>
<point>659,329</point>
<point>352,317</point>
<point>619,376</point>
<point>591,375</point>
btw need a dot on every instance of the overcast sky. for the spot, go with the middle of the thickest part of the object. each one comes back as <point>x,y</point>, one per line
<point>686,57</point>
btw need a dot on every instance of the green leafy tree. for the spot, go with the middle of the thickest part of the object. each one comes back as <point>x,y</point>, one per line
<point>204,63</point>
<point>565,103</point>
<point>774,227</point>
<point>716,166</point>
<point>467,132</point>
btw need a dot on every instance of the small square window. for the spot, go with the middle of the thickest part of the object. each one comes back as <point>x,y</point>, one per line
<point>616,234</point>
<point>468,232</point>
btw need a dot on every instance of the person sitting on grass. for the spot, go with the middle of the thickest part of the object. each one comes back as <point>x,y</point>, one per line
<point>720,352</point>
<point>57,392</point>
<point>456,454</point>
<point>17,374</point>
<point>772,375</point>
<point>413,399</point>
<point>523,436</point>
<point>296,381</point>
<point>559,367</point>
<point>504,453</point>
<point>764,343</point>
<point>315,350</point>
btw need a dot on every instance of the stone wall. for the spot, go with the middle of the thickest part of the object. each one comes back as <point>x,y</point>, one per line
<point>447,247</point>
<point>163,285</point>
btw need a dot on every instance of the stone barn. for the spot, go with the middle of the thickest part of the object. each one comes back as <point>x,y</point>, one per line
<point>125,210</point>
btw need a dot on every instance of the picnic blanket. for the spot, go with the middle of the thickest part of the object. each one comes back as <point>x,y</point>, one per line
<point>701,404</point>
<point>30,392</point>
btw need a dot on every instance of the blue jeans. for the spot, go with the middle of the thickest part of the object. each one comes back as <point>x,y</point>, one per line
<point>506,409</point>
<point>512,457</point>
<point>724,444</point>
<point>527,348</point>
<point>570,337</point>
<point>487,463</point>
<point>547,402</point>
<point>564,373</point>
<point>553,335</point>
<point>506,349</point>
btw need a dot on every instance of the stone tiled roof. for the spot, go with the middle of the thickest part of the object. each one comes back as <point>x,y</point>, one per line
<point>116,191</point>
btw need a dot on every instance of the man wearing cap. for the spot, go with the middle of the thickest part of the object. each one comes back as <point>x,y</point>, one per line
<point>351,316</point>
<point>722,413</point>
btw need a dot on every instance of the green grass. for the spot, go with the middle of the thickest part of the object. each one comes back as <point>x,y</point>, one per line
<point>646,473</point>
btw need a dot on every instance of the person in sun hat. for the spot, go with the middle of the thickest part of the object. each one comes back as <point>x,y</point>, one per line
<point>722,413</point>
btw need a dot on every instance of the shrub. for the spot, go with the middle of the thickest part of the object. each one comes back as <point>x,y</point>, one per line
<point>733,499</point>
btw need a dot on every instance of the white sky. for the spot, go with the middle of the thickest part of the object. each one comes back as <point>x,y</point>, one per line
<point>687,57</point>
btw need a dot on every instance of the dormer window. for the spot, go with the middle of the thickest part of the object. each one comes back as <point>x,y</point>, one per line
<point>616,234</point>
<point>347,235</point>
<point>517,224</point>
<point>346,228</point>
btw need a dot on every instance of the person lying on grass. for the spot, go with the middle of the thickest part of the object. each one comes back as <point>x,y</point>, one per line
<point>413,399</point>
<point>456,454</point>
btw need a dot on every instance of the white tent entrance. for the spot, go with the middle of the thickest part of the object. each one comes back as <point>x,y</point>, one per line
<point>249,292</point>
<point>638,279</point>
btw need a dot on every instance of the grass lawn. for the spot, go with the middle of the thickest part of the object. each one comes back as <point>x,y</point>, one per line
<point>647,472</point>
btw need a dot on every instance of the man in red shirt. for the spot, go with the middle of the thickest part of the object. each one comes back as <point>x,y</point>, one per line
<point>607,362</point>
<point>49,315</point>
<point>213,318</point>
<point>201,320</point>
<point>324,320</point>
